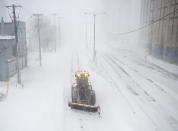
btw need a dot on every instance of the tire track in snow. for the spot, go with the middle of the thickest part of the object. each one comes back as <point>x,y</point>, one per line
<point>151,120</point>
<point>155,84</point>
<point>110,77</point>
<point>156,87</point>
<point>156,106</point>
<point>140,61</point>
<point>128,79</point>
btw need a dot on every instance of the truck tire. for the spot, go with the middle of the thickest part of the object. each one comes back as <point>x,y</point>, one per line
<point>92,98</point>
<point>74,95</point>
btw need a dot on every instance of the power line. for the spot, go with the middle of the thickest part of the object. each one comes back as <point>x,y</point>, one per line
<point>147,25</point>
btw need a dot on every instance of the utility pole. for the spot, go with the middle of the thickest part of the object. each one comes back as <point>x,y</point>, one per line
<point>16,39</point>
<point>39,36</point>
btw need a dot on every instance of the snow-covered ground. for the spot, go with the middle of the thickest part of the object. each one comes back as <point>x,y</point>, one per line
<point>134,95</point>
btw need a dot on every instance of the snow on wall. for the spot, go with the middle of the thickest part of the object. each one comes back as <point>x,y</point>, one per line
<point>6,37</point>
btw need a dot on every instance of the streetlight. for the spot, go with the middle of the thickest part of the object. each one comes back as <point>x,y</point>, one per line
<point>94,31</point>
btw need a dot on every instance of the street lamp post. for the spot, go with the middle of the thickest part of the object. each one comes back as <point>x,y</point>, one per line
<point>94,32</point>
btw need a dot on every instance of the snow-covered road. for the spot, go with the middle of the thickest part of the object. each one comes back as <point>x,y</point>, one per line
<point>133,95</point>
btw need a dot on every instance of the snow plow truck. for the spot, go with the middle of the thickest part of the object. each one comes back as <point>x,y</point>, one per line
<point>83,96</point>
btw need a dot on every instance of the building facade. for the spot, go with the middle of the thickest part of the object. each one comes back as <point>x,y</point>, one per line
<point>8,49</point>
<point>7,59</point>
<point>161,36</point>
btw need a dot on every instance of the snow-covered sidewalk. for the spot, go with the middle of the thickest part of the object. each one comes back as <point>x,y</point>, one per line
<point>36,106</point>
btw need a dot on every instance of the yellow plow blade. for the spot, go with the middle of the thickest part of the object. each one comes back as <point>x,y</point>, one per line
<point>84,107</point>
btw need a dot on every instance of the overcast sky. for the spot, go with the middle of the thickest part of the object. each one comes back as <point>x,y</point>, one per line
<point>120,15</point>
<point>63,7</point>
<point>71,7</point>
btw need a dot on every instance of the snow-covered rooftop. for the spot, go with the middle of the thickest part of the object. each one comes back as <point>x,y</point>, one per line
<point>6,37</point>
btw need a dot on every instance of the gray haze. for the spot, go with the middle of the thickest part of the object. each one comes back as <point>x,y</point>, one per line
<point>114,16</point>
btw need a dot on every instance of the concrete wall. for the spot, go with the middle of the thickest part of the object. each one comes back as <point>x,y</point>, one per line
<point>7,66</point>
<point>163,35</point>
<point>8,49</point>
<point>8,29</point>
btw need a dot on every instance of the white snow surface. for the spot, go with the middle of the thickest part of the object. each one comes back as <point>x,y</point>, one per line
<point>6,37</point>
<point>133,95</point>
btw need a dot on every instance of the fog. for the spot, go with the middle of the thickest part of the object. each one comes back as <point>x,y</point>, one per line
<point>112,18</point>
<point>88,65</point>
